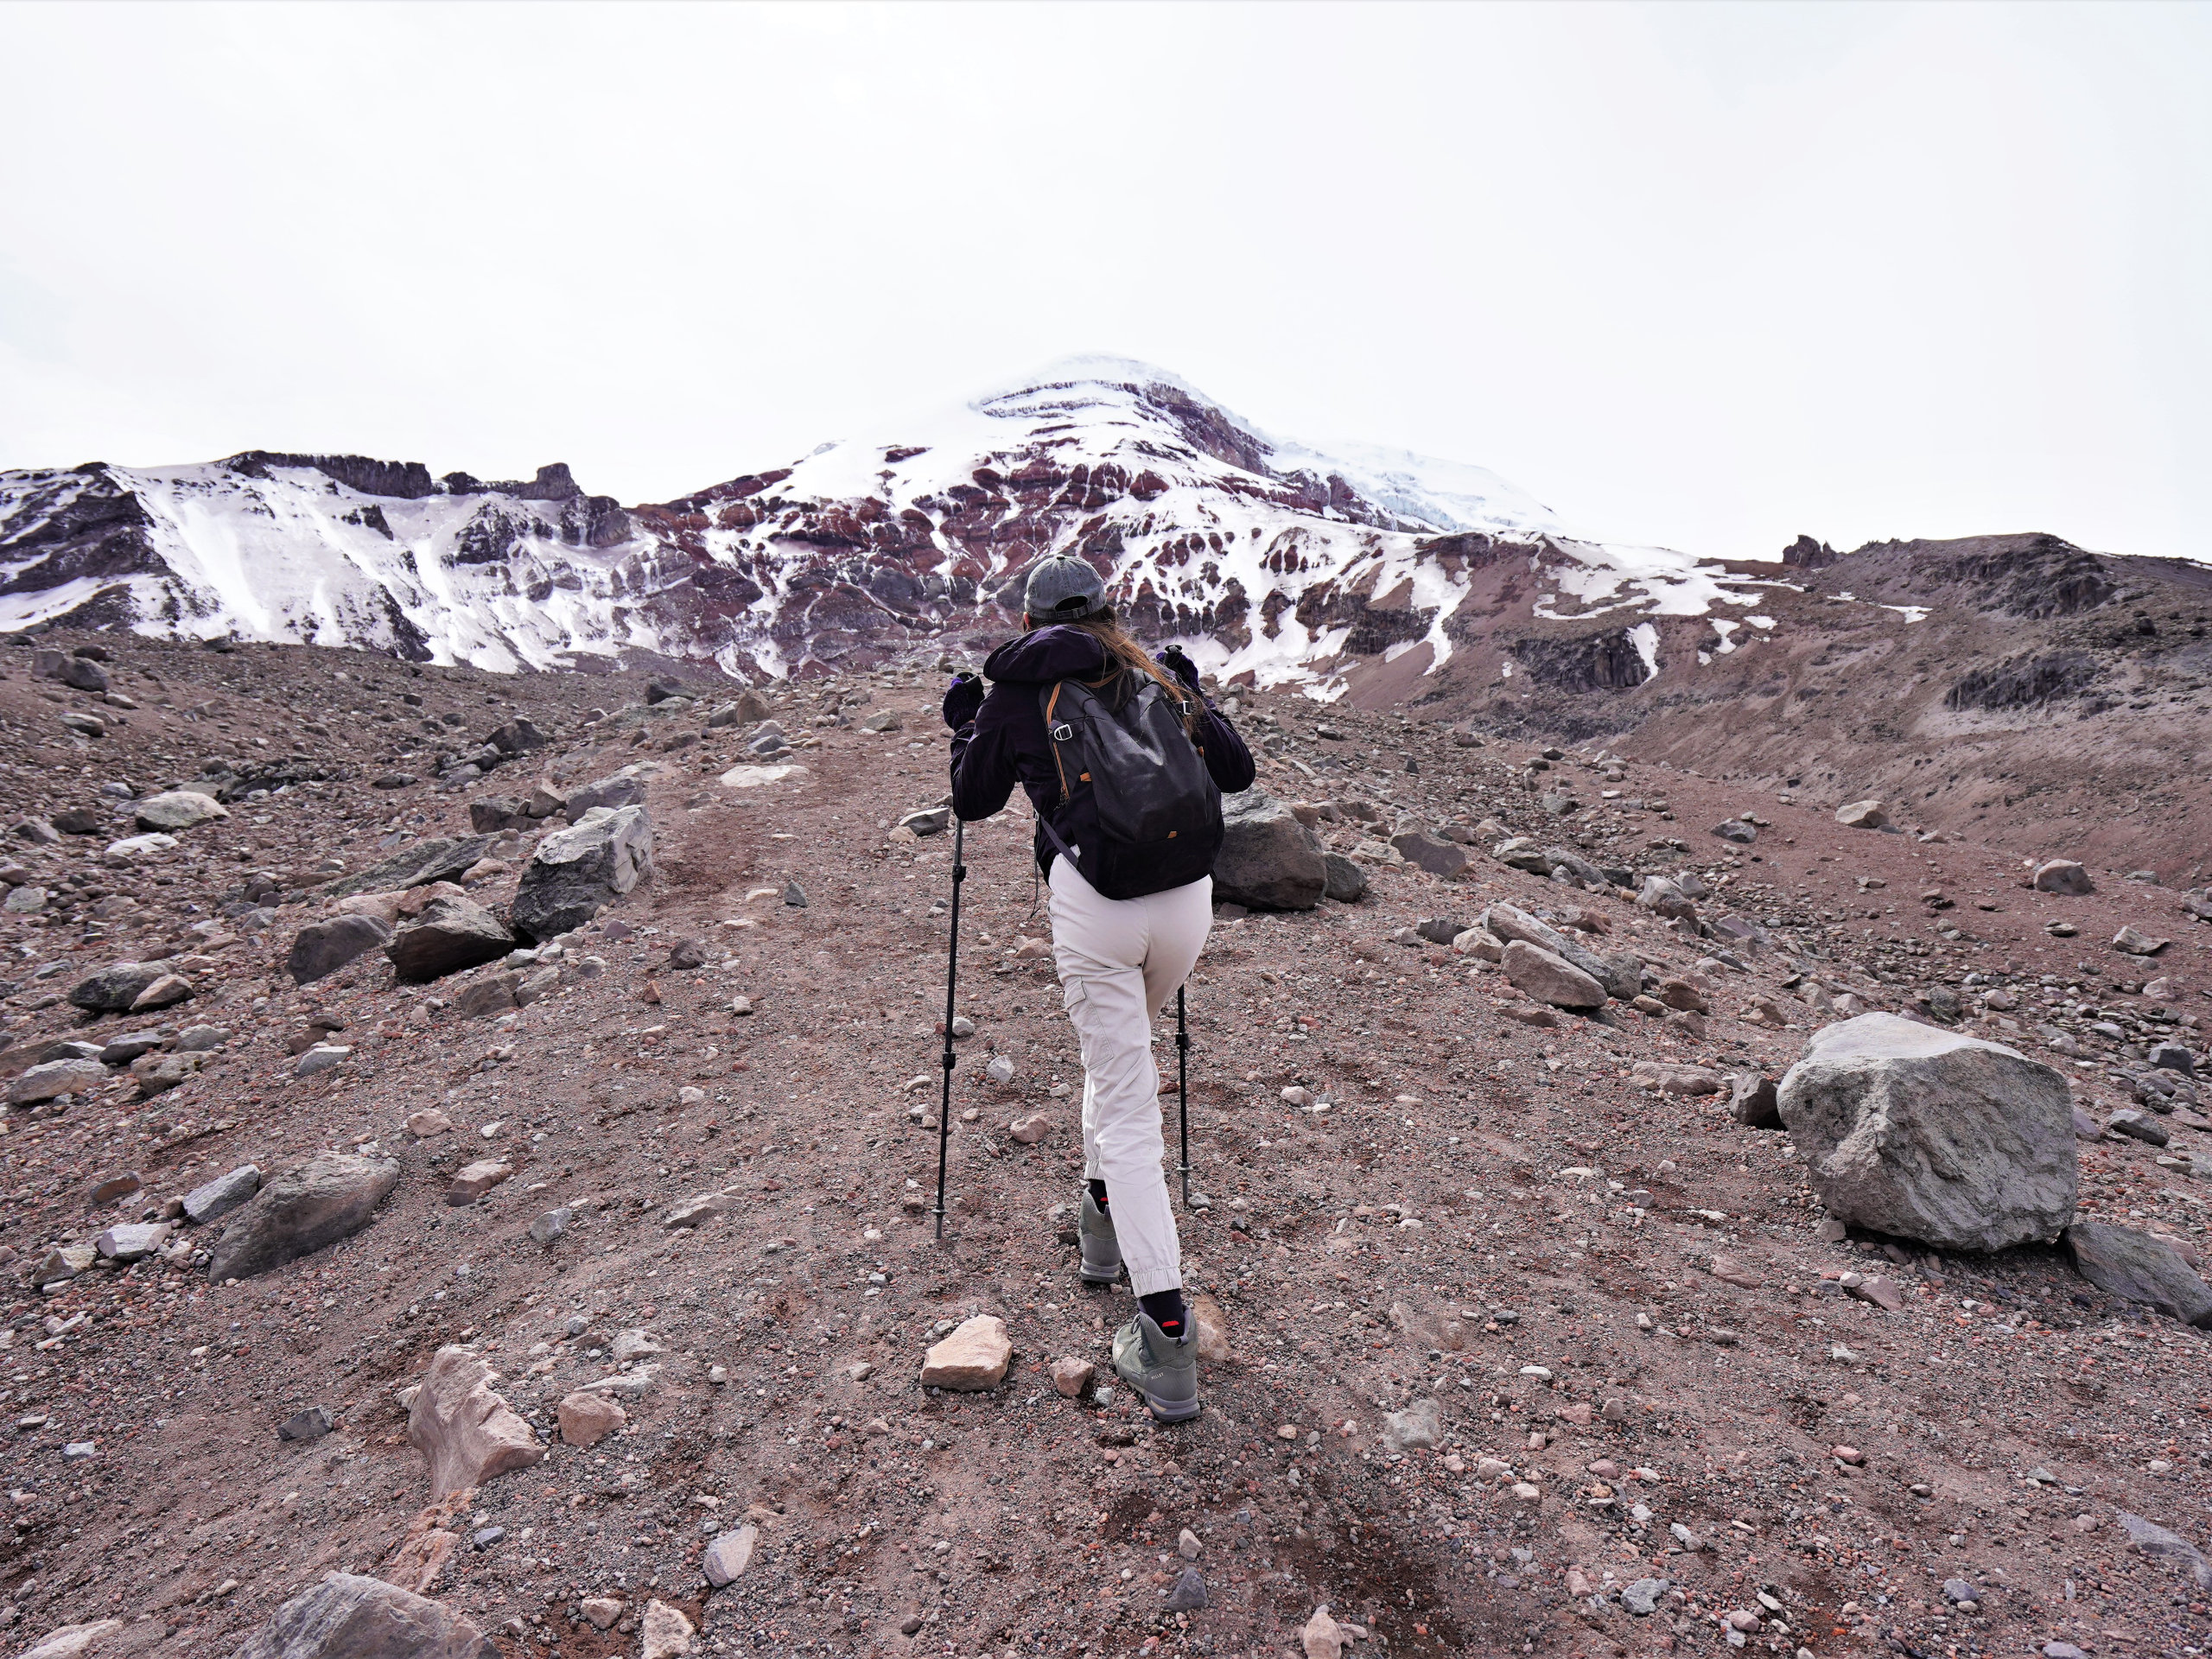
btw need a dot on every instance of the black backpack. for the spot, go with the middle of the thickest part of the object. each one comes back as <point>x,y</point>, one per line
<point>1156,809</point>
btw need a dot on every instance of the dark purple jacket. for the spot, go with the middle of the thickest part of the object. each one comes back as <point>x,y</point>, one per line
<point>1007,744</point>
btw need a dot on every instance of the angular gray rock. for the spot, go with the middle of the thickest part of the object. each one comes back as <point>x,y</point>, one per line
<point>1665,898</point>
<point>1424,851</point>
<point>609,792</point>
<point>1342,879</point>
<point>1521,853</point>
<point>2149,1538</point>
<point>348,1616</point>
<point>450,935</point>
<point>577,872</point>
<point>211,1200</point>
<point>1622,974</point>
<point>309,1423</point>
<point>1752,1100</point>
<point>300,1210</point>
<point>55,1080</point>
<point>1928,1135</point>
<point>1736,830</point>
<point>178,809</point>
<point>324,947</point>
<point>1268,860</point>
<point>1419,1427</point>
<point>1642,1598</point>
<point>2142,1269</point>
<point>1862,815</point>
<point>436,860</point>
<point>114,988</point>
<point>553,1224</point>
<point>1550,978</point>
<point>1190,1591</point>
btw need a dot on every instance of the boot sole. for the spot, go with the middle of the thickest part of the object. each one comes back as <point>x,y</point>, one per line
<point>1092,1277</point>
<point>1171,1411</point>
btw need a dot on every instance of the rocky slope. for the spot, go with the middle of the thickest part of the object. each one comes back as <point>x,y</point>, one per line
<point>1523,1341</point>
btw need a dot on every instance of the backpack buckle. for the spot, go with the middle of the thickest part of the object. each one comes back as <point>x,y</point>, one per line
<point>1063,732</point>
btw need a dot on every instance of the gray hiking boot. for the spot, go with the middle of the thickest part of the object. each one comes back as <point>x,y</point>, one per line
<point>1102,1251</point>
<point>1164,1371</point>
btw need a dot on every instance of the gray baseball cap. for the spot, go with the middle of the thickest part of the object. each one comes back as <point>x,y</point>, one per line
<point>1063,588</point>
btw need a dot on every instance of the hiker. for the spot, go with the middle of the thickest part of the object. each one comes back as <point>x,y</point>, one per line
<point>1129,820</point>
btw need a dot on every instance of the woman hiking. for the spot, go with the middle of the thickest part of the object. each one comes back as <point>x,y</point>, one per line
<point>1128,819</point>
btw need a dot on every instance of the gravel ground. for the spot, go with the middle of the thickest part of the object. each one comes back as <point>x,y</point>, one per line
<point>1492,1215</point>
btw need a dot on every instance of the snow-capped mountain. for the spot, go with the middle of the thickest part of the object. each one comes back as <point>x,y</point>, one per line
<point>1288,560</point>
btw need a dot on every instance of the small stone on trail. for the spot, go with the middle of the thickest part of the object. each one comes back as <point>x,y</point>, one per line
<point>587,1419</point>
<point>475,1179</point>
<point>1189,1593</point>
<point>794,896</point>
<point>666,1632</point>
<point>323,1057</point>
<point>730,1554</point>
<point>553,1224</point>
<point>1642,1598</point>
<point>1030,1130</point>
<point>1187,1545</point>
<point>1418,1427</point>
<point>311,1424</point>
<point>424,1124</point>
<point>1072,1376</point>
<point>1322,1636</point>
<point>601,1611</point>
<point>974,1357</point>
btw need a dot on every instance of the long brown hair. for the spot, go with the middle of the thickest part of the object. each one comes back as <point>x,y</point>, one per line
<point>1123,651</point>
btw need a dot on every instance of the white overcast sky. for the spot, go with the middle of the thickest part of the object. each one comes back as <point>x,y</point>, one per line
<point>1706,276</point>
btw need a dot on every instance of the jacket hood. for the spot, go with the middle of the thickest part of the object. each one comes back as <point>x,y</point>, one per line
<point>1049,654</point>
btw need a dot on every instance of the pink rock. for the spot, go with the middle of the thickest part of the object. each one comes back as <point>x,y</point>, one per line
<point>477,1178</point>
<point>1847,1454</point>
<point>588,1418</point>
<point>1072,1376</point>
<point>465,1430</point>
<point>973,1358</point>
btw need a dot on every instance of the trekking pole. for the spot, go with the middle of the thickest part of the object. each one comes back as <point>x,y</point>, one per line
<point>951,980</point>
<point>1183,1088</point>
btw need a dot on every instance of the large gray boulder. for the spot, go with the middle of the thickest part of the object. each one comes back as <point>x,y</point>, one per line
<point>324,947</point>
<point>2144,1270</point>
<point>1268,860</point>
<point>1928,1135</point>
<point>449,935</point>
<point>1622,974</point>
<point>300,1210</point>
<point>348,1616</point>
<point>577,872</point>
<point>114,988</point>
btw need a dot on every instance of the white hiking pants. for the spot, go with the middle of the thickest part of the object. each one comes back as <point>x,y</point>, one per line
<point>1120,961</point>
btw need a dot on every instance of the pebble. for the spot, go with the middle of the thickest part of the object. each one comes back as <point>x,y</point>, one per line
<point>309,1424</point>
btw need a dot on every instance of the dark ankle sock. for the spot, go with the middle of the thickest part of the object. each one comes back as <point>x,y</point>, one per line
<point>1165,1308</point>
<point>1098,1194</point>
